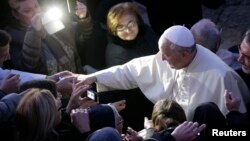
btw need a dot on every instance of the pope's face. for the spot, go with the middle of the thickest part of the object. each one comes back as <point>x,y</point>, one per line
<point>172,56</point>
<point>244,54</point>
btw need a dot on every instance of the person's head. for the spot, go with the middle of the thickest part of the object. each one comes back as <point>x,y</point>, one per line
<point>100,116</point>
<point>167,113</point>
<point>206,34</point>
<point>40,84</point>
<point>244,52</point>
<point>177,46</point>
<point>36,115</point>
<point>24,10</point>
<point>5,40</point>
<point>105,134</point>
<point>123,20</point>
<point>48,85</point>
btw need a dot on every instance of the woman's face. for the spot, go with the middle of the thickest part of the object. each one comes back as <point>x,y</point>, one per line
<point>127,28</point>
<point>27,9</point>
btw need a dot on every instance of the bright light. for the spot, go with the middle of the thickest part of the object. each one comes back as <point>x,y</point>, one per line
<point>54,13</point>
<point>51,20</point>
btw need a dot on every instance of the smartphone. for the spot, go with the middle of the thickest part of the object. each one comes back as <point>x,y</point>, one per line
<point>93,95</point>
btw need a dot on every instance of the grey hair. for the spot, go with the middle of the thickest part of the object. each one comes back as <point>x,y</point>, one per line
<point>246,36</point>
<point>182,49</point>
<point>206,33</point>
<point>175,47</point>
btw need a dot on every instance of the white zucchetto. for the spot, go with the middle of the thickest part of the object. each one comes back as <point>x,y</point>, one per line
<point>178,35</point>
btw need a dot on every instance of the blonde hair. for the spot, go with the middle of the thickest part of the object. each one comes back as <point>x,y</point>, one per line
<point>36,114</point>
<point>166,113</point>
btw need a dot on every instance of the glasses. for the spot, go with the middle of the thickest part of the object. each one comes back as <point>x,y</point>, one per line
<point>244,55</point>
<point>130,25</point>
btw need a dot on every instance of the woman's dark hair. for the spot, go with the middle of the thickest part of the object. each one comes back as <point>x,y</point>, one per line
<point>40,84</point>
<point>4,38</point>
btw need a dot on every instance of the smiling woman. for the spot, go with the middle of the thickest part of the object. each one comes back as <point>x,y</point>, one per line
<point>129,37</point>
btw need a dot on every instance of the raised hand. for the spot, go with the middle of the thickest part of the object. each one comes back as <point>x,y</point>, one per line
<point>232,102</point>
<point>187,131</point>
<point>80,119</point>
<point>56,77</point>
<point>11,83</point>
<point>81,10</point>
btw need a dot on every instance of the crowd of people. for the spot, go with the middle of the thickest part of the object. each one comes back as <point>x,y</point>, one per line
<point>175,84</point>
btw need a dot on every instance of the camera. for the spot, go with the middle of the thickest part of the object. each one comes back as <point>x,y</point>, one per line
<point>93,95</point>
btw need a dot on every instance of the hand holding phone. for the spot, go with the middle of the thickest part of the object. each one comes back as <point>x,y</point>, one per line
<point>93,95</point>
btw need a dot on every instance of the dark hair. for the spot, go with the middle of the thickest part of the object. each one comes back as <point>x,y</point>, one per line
<point>4,38</point>
<point>101,116</point>
<point>41,84</point>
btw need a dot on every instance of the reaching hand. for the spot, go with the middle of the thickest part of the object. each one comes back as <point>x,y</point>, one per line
<point>77,98</point>
<point>132,135</point>
<point>11,83</point>
<point>80,119</point>
<point>232,102</point>
<point>56,77</point>
<point>36,22</point>
<point>147,123</point>
<point>119,105</point>
<point>86,79</point>
<point>187,131</point>
<point>64,85</point>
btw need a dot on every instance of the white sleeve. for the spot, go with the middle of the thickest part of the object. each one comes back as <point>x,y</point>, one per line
<point>117,77</point>
<point>123,76</point>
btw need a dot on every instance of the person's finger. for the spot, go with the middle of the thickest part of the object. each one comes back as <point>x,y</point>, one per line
<point>200,128</point>
<point>194,126</point>
<point>227,96</point>
<point>10,76</point>
<point>189,125</point>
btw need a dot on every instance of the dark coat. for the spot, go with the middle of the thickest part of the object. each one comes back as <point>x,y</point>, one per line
<point>119,52</point>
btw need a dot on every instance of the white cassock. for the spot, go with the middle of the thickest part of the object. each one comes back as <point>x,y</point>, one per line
<point>204,80</point>
<point>24,76</point>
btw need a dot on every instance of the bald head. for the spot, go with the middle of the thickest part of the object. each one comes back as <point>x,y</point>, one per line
<point>206,34</point>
